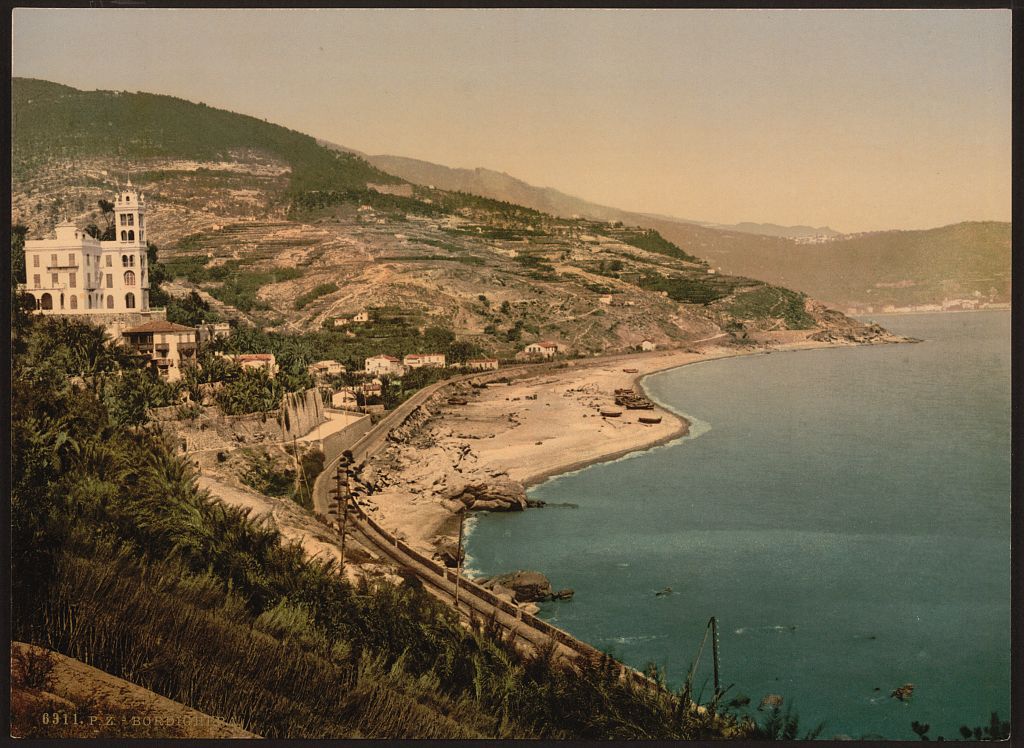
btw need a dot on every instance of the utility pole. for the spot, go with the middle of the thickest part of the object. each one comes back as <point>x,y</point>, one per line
<point>458,559</point>
<point>714,652</point>
<point>342,497</point>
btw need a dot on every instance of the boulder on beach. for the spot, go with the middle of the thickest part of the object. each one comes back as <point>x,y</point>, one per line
<point>497,496</point>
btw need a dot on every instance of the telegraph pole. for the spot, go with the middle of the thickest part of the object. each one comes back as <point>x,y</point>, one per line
<point>458,559</point>
<point>714,652</point>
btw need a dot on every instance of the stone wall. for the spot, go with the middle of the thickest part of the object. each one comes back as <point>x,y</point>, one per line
<point>300,413</point>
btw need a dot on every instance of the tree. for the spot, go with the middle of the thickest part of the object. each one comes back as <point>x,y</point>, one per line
<point>18,232</point>
<point>107,209</point>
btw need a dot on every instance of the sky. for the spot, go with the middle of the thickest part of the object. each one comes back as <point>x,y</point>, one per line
<point>855,119</point>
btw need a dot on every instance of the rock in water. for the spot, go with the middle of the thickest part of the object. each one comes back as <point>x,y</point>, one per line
<point>527,586</point>
<point>904,692</point>
<point>564,594</point>
<point>770,701</point>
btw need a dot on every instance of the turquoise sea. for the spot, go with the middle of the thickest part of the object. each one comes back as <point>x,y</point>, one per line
<point>844,513</point>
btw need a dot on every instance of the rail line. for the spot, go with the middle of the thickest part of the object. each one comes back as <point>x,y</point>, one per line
<point>473,599</point>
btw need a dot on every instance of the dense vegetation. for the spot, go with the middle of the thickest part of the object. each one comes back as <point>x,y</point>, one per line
<point>51,120</point>
<point>119,560</point>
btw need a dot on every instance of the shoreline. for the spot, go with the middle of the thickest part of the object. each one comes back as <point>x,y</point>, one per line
<point>530,431</point>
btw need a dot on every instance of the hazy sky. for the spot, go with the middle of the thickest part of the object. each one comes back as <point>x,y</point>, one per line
<point>859,119</point>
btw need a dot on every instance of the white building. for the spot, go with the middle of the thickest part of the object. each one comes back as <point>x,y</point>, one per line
<point>418,360</point>
<point>211,330</point>
<point>73,273</point>
<point>384,364</point>
<point>326,368</point>
<point>482,364</point>
<point>544,349</point>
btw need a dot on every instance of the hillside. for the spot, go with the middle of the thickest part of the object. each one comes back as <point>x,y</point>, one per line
<point>899,268</point>
<point>290,235</point>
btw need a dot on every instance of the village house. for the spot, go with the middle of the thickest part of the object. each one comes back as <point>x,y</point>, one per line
<point>543,349</point>
<point>384,364</point>
<point>419,360</point>
<point>482,364</point>
<point>326,368</point>
<point>165,344</point>
<point>361,317</point>
<point>605,299</point>
<point>648,345</point>
<point>211,330</point>
<point>265,361</point>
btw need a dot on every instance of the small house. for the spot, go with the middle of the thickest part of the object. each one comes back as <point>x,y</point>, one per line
<point>420,360</point>
<point>384,364</point>
<point>326,368</point>
<point>543,349</point>
<point>482,364</point>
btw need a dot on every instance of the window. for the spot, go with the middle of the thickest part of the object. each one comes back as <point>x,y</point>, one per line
<point>35,280</point>
<point>109,260</point>
<point>129,278</point>
<point>53,260</point>
<point>35,261</point>
<point>127,198</point>
<point>140,225</point>
<point>124,261</point>
<point>129,301</point>
<point>46,302</point>
<point>131,260</point>
<point>124,236</point>
<point>74,301</point>
<point>55,277</point>
<point>110,302</point>
<point>131,235</point>
<point>72,280</point>
<point>131,219</point>
<point>87,260</point>
<point>110,280</point>
<point>123,219</point>
<point>140,235</point>
<point>71,260</point>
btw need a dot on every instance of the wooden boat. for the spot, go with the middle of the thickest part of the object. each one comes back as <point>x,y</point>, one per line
<point>610,413</point>
<point>630,371</point>
<point>650,419</point>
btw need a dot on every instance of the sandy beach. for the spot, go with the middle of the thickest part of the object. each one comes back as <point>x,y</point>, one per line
<point>523,432</point>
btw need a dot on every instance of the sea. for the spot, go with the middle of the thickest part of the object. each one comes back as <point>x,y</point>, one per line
<point>843,514</point>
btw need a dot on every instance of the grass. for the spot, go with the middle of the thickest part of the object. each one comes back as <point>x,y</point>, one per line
<point>323,289</point>
<point>770,302</point>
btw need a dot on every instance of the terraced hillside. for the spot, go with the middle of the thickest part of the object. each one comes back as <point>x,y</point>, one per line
<point>289,235</point>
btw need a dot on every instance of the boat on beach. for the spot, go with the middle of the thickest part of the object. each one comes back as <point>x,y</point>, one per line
<point>650,419</point>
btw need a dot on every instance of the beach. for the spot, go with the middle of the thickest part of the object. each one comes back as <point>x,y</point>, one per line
<point>518,434</point>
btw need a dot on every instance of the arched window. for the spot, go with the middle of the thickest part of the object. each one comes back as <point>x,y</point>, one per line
<point>131,236</point>
<point>88,301</point>
<point>62,301</point>
<point>124,260</point>
<point>110,302</point>
<point>129,301</point>
<point>124,236</point>
<point>129,278</point>
<point>46,301</point>
<point>131,261</point>
<point>74,301</point>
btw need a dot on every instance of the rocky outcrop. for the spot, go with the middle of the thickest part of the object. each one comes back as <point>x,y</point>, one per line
<point>525,587</point>
<point>497,496</point>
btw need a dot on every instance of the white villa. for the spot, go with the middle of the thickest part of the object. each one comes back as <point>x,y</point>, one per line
<point>384,364</point>
<point>74,273</point>
<point>544,349</point>
<point>418,360</point>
